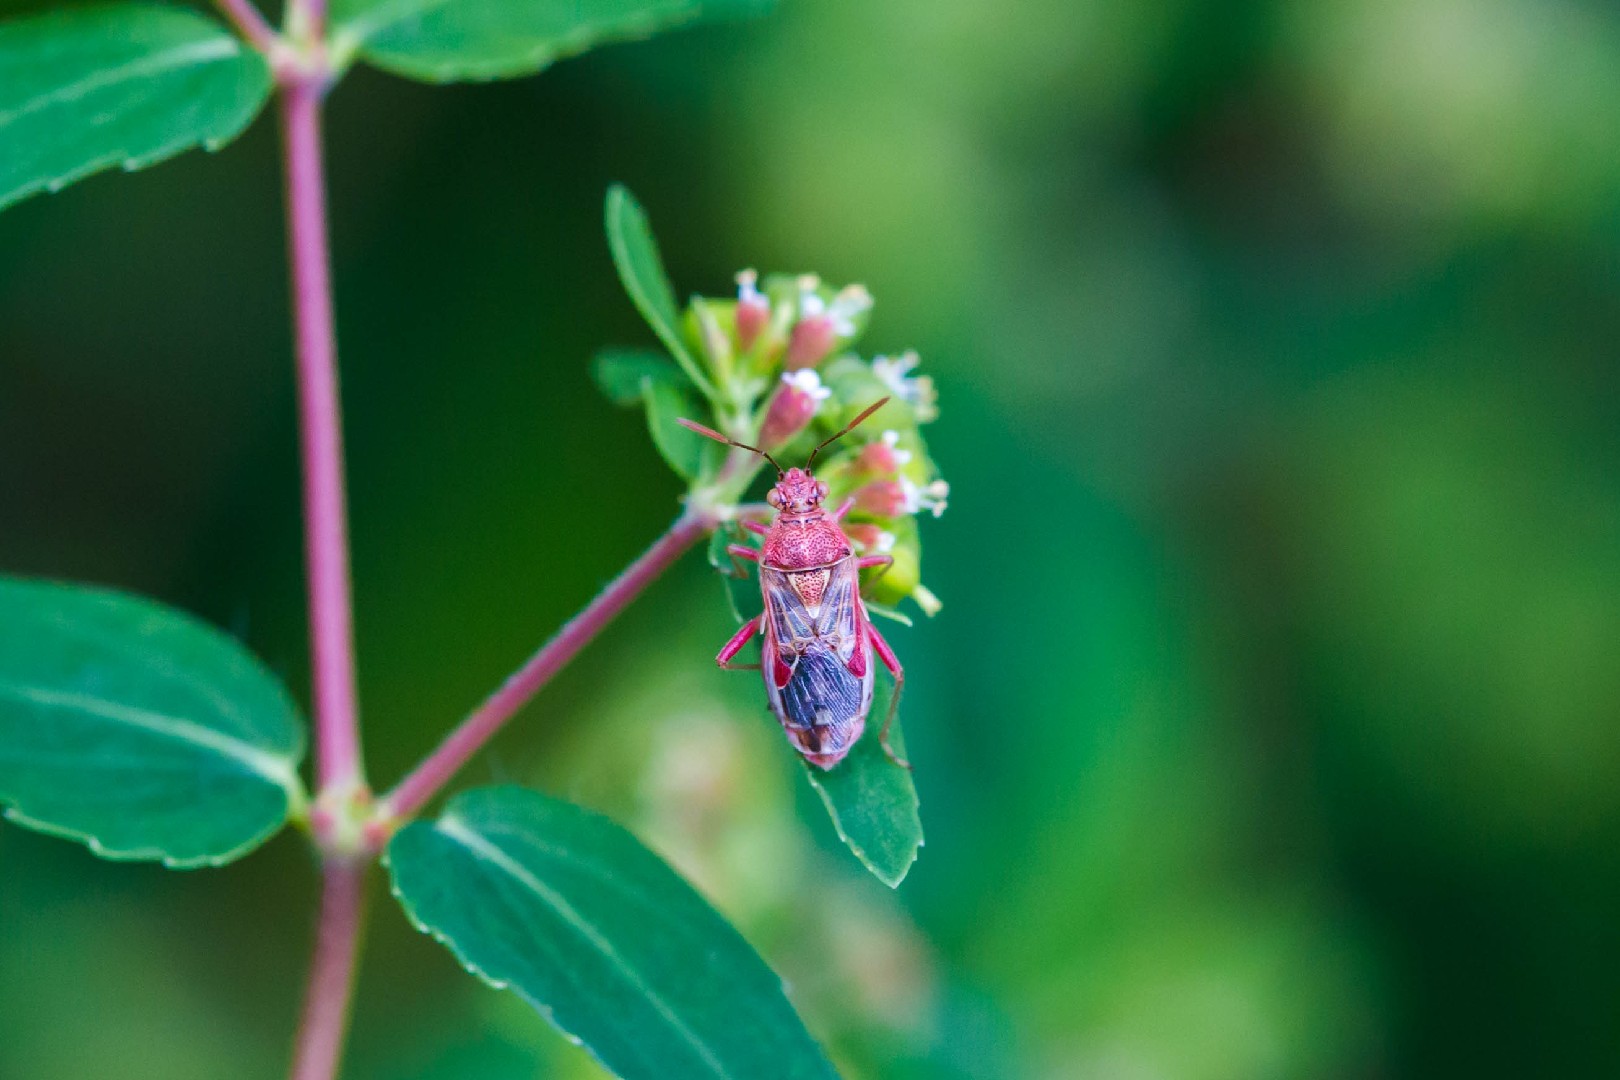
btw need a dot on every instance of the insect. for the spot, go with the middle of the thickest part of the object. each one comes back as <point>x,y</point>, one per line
<point>819,641</point>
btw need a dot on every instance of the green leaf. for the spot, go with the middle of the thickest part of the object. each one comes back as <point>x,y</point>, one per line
<point>600,936</point>
<point>635,255</point>
<point>139,730</point>
<point>619,373</point>
<point>451,40</point>
<point>872,800</point>
<point>738,581</point>
<point>688,453</point>
<point>123,84</point>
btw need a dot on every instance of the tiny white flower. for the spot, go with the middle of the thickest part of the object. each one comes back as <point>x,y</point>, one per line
<point>916,390</point>
<point>931,497</point>
<point>807,382</point>
<point>851,301</point>
<point>748,288</point>
<point>810,302</point>
<point>885,542</point>
<point>891,439</point>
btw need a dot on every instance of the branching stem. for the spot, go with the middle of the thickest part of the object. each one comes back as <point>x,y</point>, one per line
<point>249,23</point>
<point>478,728</point>
<point>340,772</point>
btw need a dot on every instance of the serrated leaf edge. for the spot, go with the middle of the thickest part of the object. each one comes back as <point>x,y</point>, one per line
<point>860,853</point>
<point>20,817</point>
<point>128,162</point>
<point>353,38</point>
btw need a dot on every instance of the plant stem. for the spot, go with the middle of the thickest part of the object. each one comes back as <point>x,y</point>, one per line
<point>332,970</point>
<point>478,728</point>
<point>248,22</point>
<point>337,736</point>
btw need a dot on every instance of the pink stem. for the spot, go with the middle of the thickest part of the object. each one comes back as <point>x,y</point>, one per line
<point>248,22</point>
<point>478,728</point>
<point>331,975</point>
<point>337,735</point>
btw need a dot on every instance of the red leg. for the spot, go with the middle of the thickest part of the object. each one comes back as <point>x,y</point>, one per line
<point>734,646</point>
<point>866,561</point>
<point>742,551</point>
<point>892,662</point>
<point>844,508</point>
<point>757,527</point>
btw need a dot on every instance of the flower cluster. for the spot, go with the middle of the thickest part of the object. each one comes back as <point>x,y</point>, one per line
<point>776,367</point>
<point>782,356</point>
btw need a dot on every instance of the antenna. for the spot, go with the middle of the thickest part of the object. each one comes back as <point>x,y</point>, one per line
<point>868,411</point>
<point>710,433</point>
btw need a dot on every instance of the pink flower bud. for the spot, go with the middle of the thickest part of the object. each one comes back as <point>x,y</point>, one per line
<point>863,533</point>
<point>822,325</point>
<point>881,498</point>
<point>792,409</point>
<point>881,458</point>
<point>812,339</point>
<point>872,539</point>
<point>753,310</point>
<point>876,459</point>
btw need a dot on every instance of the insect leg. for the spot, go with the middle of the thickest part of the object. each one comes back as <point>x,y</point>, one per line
<point>742,551</point>
<point>885,561</point>
<point>756,527</point>
<point>844,508</point>
<point>734,646</point>
<point>892,662</point>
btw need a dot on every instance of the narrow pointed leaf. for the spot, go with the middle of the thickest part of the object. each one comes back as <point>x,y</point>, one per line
<point>619,373</point>
<point>598,934</point>
<point>641,269</point>
<point>139,730</point>
<point>873,801</point>
<point>451,40</point>
<point>687,452</point>
<point>89,88</point>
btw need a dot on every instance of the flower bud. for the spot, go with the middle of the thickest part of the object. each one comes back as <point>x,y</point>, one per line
<point>881,458</point>
<point>712,338</point>
<point>900,579</point>
<point>881,498</point>
<point>812,339</point>
<point>871,539</point>
<point>792,409</point>
<point>822,326</point>
<point>753,309</point>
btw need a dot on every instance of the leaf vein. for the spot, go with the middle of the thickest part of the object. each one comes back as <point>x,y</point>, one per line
<point>157,63</point>
<point>460,833</point>
<point>173,727</point>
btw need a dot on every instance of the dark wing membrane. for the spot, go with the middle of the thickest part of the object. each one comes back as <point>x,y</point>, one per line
<point>826,697</point>
<point>816,692</point>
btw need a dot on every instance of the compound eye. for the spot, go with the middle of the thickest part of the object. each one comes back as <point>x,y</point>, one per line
<point>821,490</point>
<point>774,497</point>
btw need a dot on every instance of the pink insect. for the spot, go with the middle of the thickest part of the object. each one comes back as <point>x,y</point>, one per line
<point>819,639</point>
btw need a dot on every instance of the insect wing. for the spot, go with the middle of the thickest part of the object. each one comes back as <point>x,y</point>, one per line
<point>818,671</point>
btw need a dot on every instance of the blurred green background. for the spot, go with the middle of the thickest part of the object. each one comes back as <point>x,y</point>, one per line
<point>1269,729</point>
